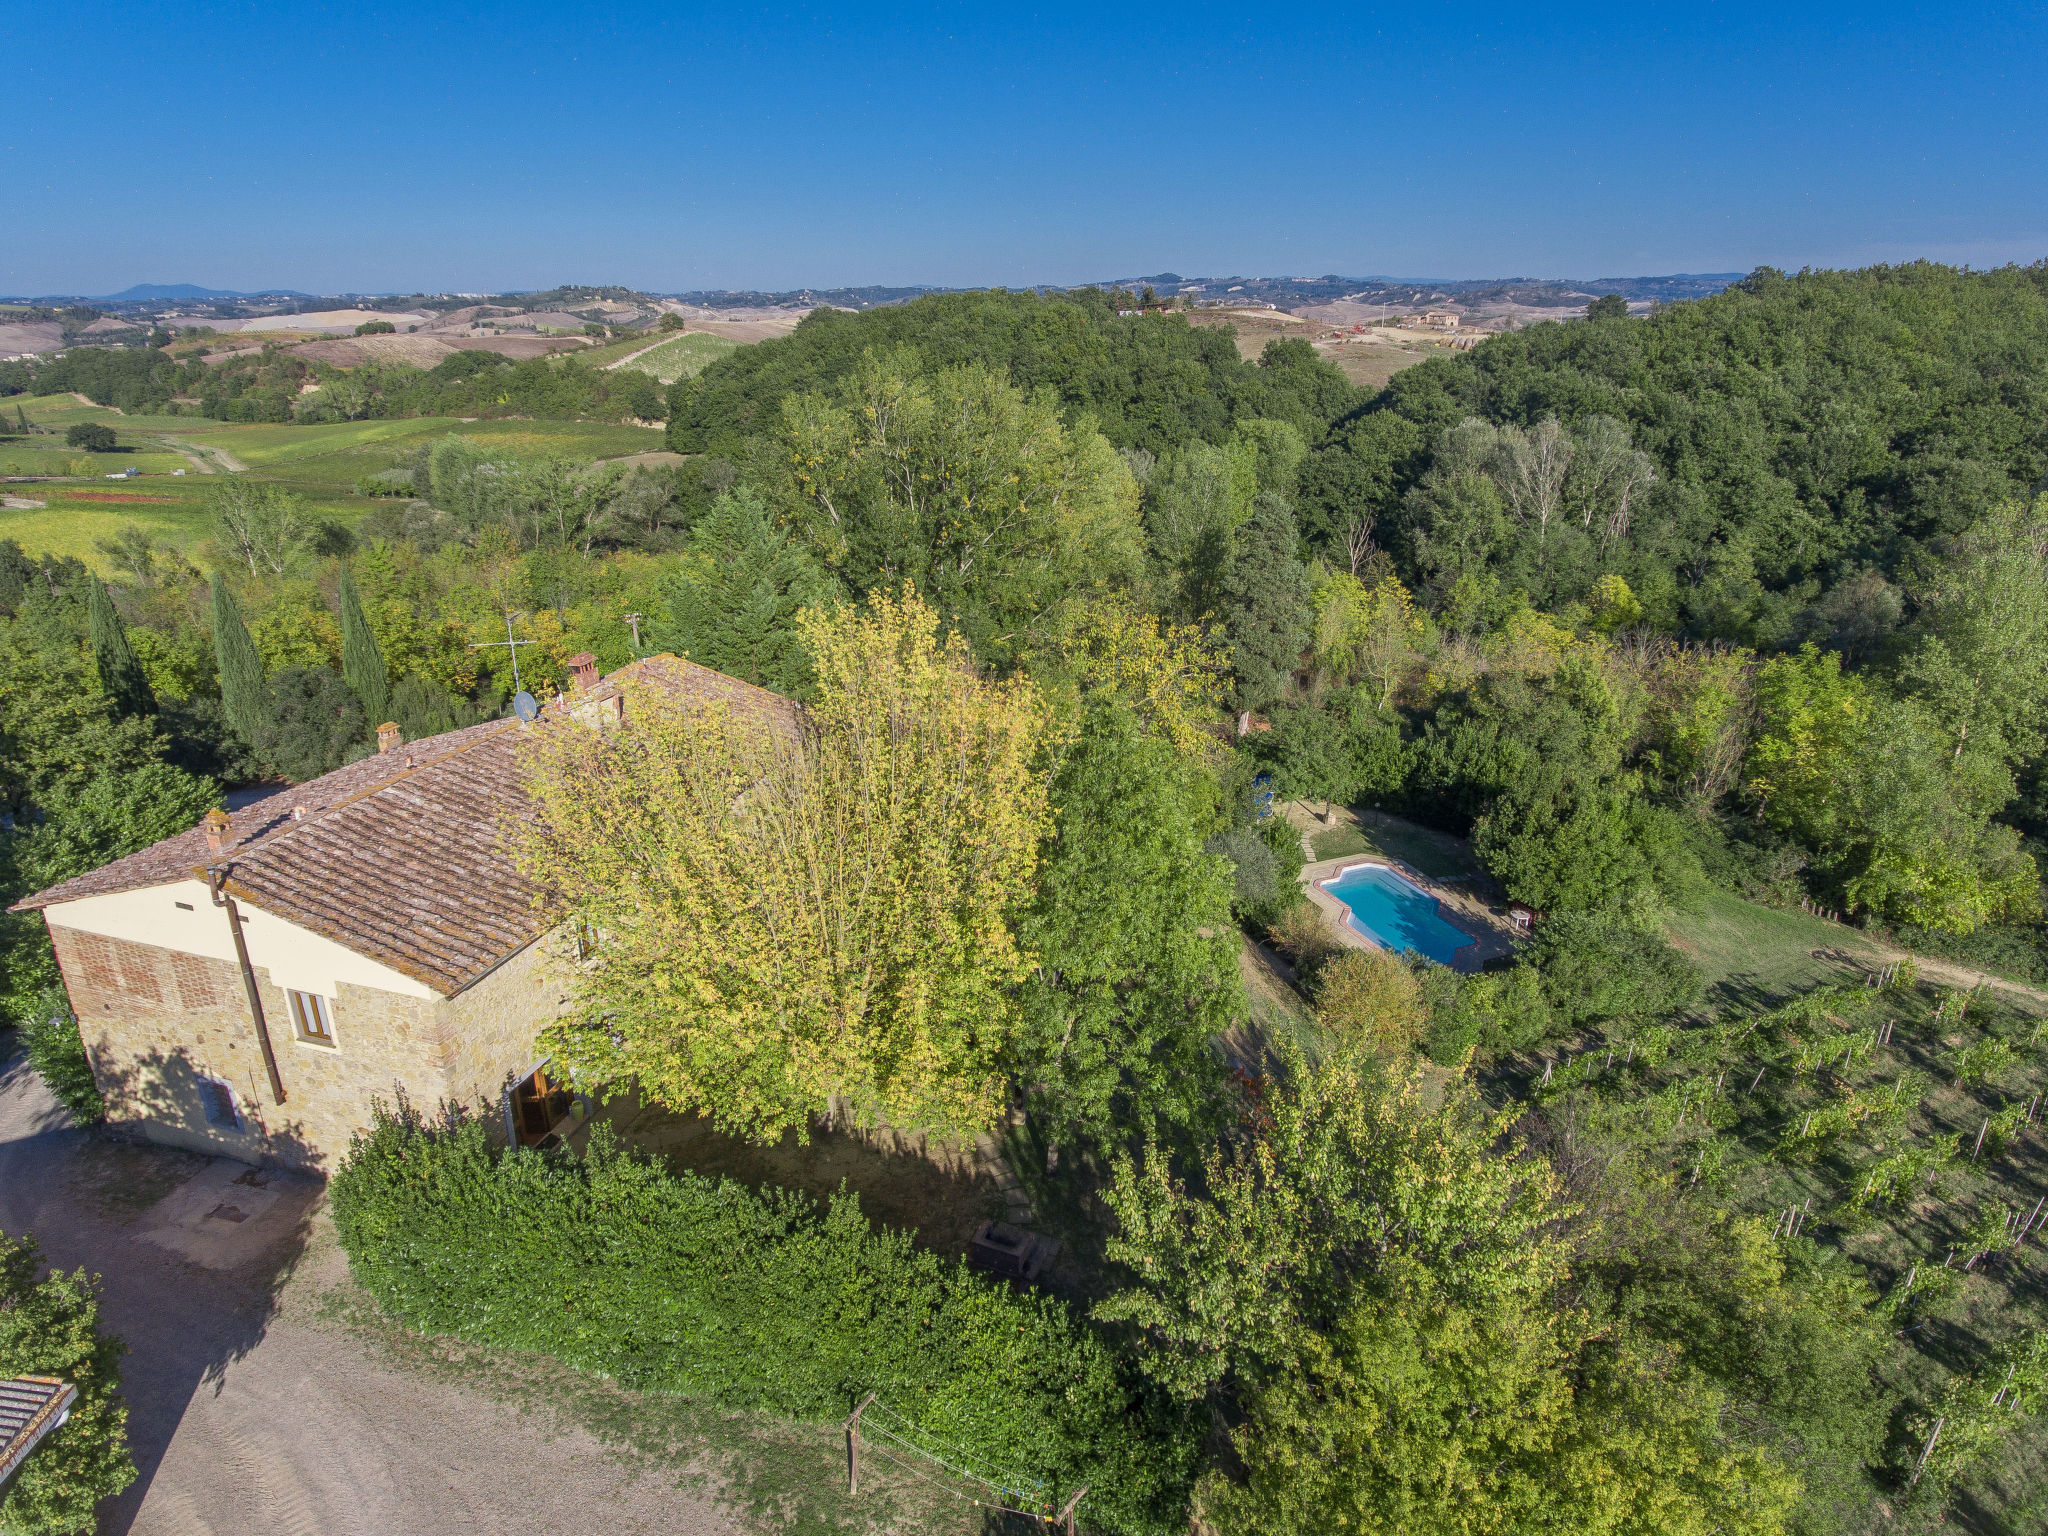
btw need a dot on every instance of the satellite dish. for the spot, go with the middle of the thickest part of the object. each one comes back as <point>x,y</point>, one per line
<point>524,707</point>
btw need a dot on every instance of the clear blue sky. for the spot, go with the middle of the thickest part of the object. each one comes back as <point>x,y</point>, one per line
<point>503,146</point>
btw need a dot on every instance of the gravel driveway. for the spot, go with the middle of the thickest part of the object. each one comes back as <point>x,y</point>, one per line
<point>251,1409</point>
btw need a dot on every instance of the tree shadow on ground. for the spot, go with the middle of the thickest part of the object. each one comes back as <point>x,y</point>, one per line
<point>940,1193</point>
<point>97,1200</point>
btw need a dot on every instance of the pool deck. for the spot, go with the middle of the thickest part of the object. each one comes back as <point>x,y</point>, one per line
<point>1493,934</point>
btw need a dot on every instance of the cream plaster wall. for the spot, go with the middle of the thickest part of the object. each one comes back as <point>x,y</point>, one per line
<point>296,958</point>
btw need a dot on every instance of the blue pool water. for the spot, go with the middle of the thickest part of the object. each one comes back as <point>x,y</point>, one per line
<point>1395,914</point>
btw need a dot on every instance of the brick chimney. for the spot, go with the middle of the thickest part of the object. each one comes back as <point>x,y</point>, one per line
<point>389,736</point>
<point>216,824</point>
<point>583,670</point>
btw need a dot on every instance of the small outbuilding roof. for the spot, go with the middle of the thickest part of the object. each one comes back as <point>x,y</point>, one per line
<point>30,1408</point>
<point>397,856</point>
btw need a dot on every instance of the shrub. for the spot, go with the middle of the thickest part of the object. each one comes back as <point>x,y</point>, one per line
<point>1599,968</point>
<point>1304,933</point>
<point>1255,882</point>
<point>49,1037</point>
<point>376,328</point>
<point>51,1328</point>
<point>396,481</point>
<point>679,1283</point>
<point>92,436</point>
<point>1495,1011</point>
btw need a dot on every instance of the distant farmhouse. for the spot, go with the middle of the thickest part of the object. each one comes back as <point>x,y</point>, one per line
<point>249,986</point>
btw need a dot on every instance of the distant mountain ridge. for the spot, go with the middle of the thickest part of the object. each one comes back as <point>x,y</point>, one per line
<point>1283,292</point>
<point>143,292</point>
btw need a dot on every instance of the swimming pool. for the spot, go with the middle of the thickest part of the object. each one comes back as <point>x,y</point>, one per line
<point>1394,913</point>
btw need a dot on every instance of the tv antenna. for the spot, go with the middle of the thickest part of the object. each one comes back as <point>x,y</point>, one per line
<point>512,649</point>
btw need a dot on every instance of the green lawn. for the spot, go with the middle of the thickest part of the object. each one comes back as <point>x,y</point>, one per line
<point>684,356</point>
<point>1436,854</point>
<point>1759,956</point>
<point>49,456</point>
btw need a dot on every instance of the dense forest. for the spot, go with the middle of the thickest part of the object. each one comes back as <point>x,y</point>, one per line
<point>1747,598</point>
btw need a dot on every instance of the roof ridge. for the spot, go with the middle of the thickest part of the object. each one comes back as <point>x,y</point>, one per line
<point>294,825</point>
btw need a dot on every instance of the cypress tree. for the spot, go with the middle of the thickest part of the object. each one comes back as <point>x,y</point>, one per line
<point>1266,604</point>
<point>361,662</point>
<point>121,674</point>
<point>241,669</point>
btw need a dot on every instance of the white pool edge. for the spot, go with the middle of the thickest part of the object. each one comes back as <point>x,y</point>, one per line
<point>1323,882</point>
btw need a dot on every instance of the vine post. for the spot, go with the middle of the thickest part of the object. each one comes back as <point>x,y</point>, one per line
<point>853,1446</point>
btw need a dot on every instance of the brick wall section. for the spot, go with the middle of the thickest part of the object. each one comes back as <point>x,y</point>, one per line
<point>156,1021</point>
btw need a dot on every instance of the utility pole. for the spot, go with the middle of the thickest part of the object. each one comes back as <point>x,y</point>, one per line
<point>634,620</point>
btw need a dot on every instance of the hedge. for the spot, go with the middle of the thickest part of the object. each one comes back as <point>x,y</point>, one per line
<point>677,1283</point>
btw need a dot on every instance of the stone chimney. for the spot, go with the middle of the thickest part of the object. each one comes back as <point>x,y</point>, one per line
<point>583,671</point>
<point>389,736</point>
<point>216,824</point>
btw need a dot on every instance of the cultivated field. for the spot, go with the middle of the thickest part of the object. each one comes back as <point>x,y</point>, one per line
<point>680,357</point>
<point>321,463</point>
<point>1254,327</point>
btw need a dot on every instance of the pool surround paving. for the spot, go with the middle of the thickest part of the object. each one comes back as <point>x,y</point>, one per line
<point>1493,935</point>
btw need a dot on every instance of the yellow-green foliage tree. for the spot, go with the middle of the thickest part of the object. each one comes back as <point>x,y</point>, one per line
<point>1372,632</point>
<point>1370,996</point>
<point>1811,720</point>
<point>1173,677</point>
<point>789,921</point>
<point>1897,803</point>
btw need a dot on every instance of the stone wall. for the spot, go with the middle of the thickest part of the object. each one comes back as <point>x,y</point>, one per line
<point>486,1033</point>
<point>156,1022</point>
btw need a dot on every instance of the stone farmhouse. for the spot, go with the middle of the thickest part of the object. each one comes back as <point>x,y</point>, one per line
<point>249,986</point>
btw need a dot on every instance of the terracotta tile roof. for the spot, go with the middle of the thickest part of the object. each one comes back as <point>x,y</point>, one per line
<point>396,856</point>
<point>30,1408</point>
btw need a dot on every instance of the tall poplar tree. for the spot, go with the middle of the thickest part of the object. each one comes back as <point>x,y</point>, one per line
<point>241,669</point>
<point>362,663</point>
<point>121,674</point>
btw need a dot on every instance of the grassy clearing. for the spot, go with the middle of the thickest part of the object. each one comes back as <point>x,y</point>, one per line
<point>684,356</point>
<point>1756,956</point>
<point>266,446</point>
<point>1366,834</point>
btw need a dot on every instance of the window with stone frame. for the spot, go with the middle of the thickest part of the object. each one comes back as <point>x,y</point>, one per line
<point>312,1018</point>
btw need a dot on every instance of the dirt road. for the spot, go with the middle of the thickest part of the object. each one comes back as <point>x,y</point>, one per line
<point>251,1408</point>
